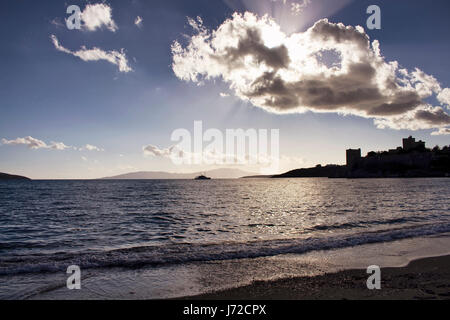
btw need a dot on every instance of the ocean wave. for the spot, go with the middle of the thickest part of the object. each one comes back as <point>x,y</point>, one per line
<point>185,253</point>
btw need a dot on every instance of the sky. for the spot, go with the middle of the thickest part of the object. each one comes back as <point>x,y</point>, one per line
<point>105,99</point>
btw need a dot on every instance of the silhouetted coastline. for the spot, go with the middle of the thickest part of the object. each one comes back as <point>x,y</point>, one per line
<point>8,177</point>
<point>412,160</point>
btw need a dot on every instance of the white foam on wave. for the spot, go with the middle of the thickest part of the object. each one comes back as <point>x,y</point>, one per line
<point>184,253</point>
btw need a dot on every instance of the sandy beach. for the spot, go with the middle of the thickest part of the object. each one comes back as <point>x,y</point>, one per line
<point>423,279</point>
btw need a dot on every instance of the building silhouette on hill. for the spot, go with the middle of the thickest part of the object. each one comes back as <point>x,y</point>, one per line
<point>412,160</point>
<point>410,144</point>
<point>353,156</point>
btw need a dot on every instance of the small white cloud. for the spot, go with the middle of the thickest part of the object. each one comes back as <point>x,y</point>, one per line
<point>57,22</point>
<point>35,144</point>
<point>58,146</point>
<point>90,147</point>
<point>97,16</point>
<point>84,159</point>
<point>30,142</point>
<point>151,150</point>
<point>224,95</point>
<point>115,57</point>
<point>441,132</point>
<point>298,7</point>
<point>138,21</point>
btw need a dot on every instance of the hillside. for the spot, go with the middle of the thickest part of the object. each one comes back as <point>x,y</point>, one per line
<point>226,173</point>
<point>5,176</point>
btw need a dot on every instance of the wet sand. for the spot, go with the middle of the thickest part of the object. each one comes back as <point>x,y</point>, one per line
<point>424,279</point>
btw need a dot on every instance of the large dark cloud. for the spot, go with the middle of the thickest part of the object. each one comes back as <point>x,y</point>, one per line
<point>284,74</point>
<point>253,45</point>
<point>339,33</point>
<point>437,117</point>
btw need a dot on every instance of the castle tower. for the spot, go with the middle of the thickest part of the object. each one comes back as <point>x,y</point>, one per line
<point>353,156</point>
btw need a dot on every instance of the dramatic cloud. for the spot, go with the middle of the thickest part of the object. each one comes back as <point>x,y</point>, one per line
<point>138,21</point>
<point>97,16</point>
<point>36,144</point>
<point>115,57</point>
<point>328,68</point>
<point>444,97</point>
<point>421,118</point>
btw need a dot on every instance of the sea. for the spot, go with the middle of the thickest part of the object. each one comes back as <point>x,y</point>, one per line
<point>153,239</point>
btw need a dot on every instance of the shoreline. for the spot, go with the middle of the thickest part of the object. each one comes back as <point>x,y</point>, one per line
<point>320,275</point>
<point>421,279</point>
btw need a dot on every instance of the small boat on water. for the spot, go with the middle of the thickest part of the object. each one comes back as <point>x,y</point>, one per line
<point>202,177</point>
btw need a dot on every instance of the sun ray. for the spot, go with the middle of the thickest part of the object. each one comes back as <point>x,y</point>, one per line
<point>291,15</point>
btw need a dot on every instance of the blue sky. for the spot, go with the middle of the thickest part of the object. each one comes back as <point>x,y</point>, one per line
<point>54,96</point>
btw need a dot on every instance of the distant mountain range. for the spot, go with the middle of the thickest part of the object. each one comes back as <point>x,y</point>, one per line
<point>5,176</point>
<point>226,173</point>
